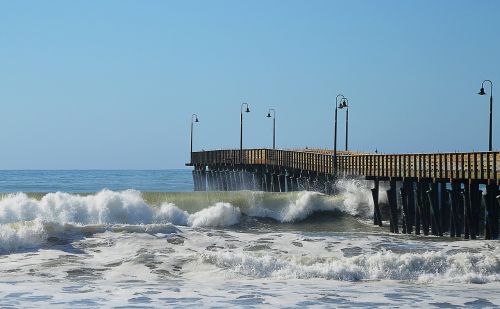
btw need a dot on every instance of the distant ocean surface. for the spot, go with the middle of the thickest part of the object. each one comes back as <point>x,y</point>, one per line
<point>144,239</point>
<point>95,180</point>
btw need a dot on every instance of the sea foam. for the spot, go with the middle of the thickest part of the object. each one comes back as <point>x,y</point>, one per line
<point>221,214</point>
<point>423,267</point>
<point>105,207</point>
<point>15,236</point>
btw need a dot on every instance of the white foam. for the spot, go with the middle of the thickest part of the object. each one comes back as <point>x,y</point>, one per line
<point>202,268</point>
<point>129,207</point>
<point>15,236</point>
<point>26,222</point>
<point>425,267</point>
<point>105,207</point>
<point>109,207</point>
<point>306,204</point>
<point>353,200</point>
<point>221,214</point>
<point>357,196</point>
<point>170,213</point>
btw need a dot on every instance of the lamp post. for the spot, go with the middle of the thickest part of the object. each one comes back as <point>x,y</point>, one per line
<point>345,104</point>
<point>274,125</point>
<point>194,118</point>
<point>335,136</point>
<point>241,127</point>
<point>481,92</point>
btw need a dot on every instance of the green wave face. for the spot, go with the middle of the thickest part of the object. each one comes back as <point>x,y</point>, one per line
<point>245,200</point>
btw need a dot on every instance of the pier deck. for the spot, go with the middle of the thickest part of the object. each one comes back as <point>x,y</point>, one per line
<point>483,167</point>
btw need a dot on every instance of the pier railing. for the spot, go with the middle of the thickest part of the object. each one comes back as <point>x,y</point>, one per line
<point>479,166</point>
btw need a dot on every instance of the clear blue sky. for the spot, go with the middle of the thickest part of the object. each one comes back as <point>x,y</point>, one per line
<point>112,84</point>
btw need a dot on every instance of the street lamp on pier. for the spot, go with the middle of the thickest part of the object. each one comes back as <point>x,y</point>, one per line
<point>481,92</point>
<point>274,124</point>
<point>194,118</point>
<point>335,135</point>
<point>247,110</point>
<point>345,104</point>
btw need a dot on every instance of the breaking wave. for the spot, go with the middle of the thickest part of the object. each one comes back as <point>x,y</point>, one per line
<point>108,207</point>
<point>192,209</point>
<point>21,235</point>
<point>221,214</point>
<point>24,218</point>
<point>423,267</point>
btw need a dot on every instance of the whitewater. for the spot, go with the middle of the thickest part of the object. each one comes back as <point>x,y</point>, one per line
<point>132,248</point>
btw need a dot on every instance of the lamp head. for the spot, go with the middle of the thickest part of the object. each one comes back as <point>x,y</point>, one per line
<point>196,120</point>
<point>247,110</point>
<point>481,92</point>
<point>268,115</point>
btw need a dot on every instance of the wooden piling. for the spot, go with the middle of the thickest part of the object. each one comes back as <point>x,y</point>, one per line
<point>393,207</point>
<point>433,198</point>
<point>410,194</point>
<point>404,209</point>
<point>377,217</point>
<point>474,205</point>
<point>491,227</point>
<point>419,210</point>
<point>467,211</point>
<point>444,208</point>
<point>456,222</point>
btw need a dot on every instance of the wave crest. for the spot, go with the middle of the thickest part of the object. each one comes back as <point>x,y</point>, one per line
<point>104,207</point>
<point>221,214</point>
<point>19,235</point>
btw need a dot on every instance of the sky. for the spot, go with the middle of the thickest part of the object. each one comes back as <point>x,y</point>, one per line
<point>113,84</point>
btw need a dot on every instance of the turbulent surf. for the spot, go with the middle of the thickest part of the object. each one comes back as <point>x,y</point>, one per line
<point>133,248</point>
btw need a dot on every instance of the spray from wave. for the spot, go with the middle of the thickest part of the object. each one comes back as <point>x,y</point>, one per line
<point>221,214</point>
<point>15,236</point>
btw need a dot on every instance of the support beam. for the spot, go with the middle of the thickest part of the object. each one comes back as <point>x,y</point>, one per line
<point>289,182</point>
<point>475,204</point>
<point>419,211</point>
<point>377,217</point>
<point>491,226</point>
<point>404,209</point>
<point>223,179</point>
<point>467,211</point>
<point>282,181</point>
<point>393,207</point>
<point>410,193</point>
<point>456,213</point>
<point>444,209</point>
<point>236,180</point>
<point>433,198</point>
<point>195,180</point>
<point>408,206</point>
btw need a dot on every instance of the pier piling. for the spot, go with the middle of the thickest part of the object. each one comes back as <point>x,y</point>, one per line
<point>377,217</point>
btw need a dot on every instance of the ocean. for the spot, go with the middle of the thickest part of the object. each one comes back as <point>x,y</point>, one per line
<point>144,239</point>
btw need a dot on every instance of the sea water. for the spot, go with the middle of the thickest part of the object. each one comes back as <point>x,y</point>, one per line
<point>139,239</point>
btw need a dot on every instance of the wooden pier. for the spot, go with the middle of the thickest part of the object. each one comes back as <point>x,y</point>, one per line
<point>429,193</point>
